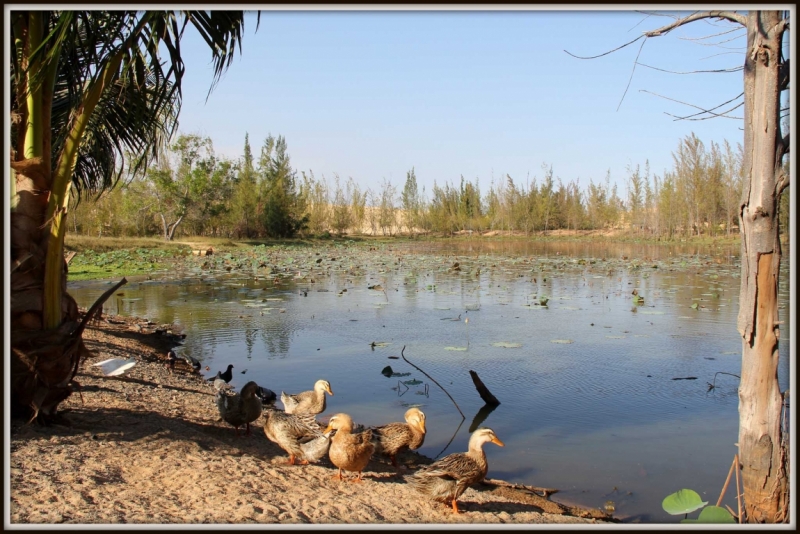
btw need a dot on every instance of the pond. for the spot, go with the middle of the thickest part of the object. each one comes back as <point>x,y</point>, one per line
<point>603,396</point>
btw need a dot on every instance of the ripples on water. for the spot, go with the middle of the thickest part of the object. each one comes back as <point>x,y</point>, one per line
<point>589,404</point>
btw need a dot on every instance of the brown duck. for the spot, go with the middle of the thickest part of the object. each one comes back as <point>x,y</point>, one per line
<point>349,452</point>
<point>312,402</point>
<point>447,479</point>
<point>392,438</point>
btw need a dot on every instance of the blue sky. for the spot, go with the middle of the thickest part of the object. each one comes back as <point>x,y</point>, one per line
<point>370,95</point>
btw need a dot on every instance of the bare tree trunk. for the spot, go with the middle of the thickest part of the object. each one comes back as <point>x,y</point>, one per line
<point>760,401</point>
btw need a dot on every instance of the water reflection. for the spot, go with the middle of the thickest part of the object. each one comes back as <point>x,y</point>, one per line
<point>588,397</point>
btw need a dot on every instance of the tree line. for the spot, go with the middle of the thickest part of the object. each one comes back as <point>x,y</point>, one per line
<point>191,191</point>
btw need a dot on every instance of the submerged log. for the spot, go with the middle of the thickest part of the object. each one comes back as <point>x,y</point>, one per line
<point>483,391</point>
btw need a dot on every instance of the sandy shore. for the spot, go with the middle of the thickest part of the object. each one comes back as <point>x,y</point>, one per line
<point>149,448</point>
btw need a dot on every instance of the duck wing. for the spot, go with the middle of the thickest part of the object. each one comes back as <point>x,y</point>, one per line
<point>315,449</point>
<point>457,466</point>
<point>391,437</point>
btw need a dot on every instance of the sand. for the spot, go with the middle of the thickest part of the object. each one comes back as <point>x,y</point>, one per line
<point>149,448</point>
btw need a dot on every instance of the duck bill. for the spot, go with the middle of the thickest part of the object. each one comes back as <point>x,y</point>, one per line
<point>497,441</point>
<point>328,428</point>
<point>330,392</point>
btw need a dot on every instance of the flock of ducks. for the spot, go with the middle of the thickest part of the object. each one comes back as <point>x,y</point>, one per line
<point>349,447</point>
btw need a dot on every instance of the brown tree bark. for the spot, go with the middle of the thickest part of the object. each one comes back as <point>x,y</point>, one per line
<point>760,401</point>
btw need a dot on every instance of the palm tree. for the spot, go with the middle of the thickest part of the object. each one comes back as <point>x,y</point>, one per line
<point>87,88</point>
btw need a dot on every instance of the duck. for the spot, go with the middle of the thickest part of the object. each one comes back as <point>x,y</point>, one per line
<point>226,376</point>
<point>240,409</point>
<point>394,437</point>
<point>446,479</point>
<point>194,363</point>
<point>348,451</point>
<point>297,434</point>
<point>312,402</point>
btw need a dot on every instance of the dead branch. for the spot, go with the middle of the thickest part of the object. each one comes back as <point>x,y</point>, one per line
<point>734,69</point>
<point>483,391</point>
<point>463,417</point>
<point>545,492</point>
<point>605,53</point>
<point>694,117</point>
<point>728,15</point>
<point>727,481</point>
<point>635,62</point>
<point>710,36</point>
<point>703,110</point>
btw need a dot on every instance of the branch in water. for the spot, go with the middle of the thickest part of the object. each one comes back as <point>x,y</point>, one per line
<point>434,381</point>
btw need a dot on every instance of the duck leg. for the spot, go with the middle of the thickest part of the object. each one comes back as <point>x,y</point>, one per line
<point>358,479</point>
<point>455,507</point>
<point>338,475</point>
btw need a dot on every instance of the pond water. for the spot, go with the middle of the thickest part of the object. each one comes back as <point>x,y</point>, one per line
<point>594,389</point>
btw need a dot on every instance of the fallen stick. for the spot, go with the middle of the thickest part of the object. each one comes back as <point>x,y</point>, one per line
<point>434,381</point>
<point>727,481</point>
<point>533,489</point>
<point>483,391</point>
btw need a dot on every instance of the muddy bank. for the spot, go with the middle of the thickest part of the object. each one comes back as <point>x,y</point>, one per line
<point>148,447</point>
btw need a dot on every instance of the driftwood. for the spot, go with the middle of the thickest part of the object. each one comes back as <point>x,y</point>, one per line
<point>483,391</point>
<point>531,496</point>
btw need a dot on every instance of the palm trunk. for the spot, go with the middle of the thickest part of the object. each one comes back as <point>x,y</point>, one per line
<point>760,400</point>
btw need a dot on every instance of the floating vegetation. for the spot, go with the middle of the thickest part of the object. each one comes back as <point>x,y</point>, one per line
<point>506,345</point>
<point>562,341</point>
<point>456,348</point>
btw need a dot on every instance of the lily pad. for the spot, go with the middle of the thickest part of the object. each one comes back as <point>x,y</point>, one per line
<point>682,502</point>
<point>712,514</point>
<point>507,345</point>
